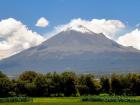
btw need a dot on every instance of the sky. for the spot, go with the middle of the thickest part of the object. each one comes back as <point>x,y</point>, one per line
<point>27,23</point>
<point>62,11</point>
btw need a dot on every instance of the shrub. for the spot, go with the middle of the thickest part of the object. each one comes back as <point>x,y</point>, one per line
<point>16,99</point>
<point>109,99</point>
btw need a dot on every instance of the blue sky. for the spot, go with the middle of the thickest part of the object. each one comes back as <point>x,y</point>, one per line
<point>62,11</point>
<point>117,19</point>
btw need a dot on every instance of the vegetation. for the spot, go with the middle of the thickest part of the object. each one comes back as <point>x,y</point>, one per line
<point>67,101</point>
<point>16,99</point>
<point>32,84</point>
<point>77,103</point>
<point>109,99</point>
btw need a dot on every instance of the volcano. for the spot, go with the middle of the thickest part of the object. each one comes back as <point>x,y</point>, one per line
<point>75,49</point>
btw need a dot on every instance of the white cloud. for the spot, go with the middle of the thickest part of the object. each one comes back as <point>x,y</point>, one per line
<point>131,39</point>
<point>42,22</point>
<point>107,27</point>
<point>15,37</point>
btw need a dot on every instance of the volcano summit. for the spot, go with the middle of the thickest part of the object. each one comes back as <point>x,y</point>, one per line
<point>77,49</point>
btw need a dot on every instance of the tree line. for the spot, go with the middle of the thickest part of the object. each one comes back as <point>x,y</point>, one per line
<point>33,84</point>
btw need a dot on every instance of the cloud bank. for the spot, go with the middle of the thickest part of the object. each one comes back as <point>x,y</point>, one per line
<point>107,27</point>
<point>130,39</point>
<point>42,22</point>
<point>15,37</point>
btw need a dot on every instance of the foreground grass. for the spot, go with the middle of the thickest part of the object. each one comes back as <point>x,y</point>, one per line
<point>71,103</point>
<point>57,99</point>
<point>67,101</point>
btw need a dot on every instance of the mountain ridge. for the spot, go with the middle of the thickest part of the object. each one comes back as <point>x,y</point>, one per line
<point>78,51</point>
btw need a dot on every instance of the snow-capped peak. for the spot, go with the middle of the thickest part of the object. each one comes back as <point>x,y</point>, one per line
<point>79,28</point>
<point>69,27</point>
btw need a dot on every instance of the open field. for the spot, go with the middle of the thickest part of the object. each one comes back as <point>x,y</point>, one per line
<point>67,101</point>
<point>57,99</point>
<point>71,103</point>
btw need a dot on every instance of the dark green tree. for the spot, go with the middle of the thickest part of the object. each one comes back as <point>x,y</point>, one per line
<point>55,83</point>
<point>116,85</point>
<point>105,84</point>
<point>2,75</point>
<point>28,76</point>
<point>69,82</point>
<point>88,85</point>
<point>135,84</point>
<point>5,87</point>
<point>42,86</point>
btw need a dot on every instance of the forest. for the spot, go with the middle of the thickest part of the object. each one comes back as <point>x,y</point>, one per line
<point>66,84</point>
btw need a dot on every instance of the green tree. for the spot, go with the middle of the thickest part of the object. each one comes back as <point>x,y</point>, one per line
<point>5,87</point>
<point>88,85</point>
<point>55,83</point>
<point>116,85</point>
<point>105,84</point>
<point>28,76</point>
<point>42,87</point>
<point>20,88</point>
<point>69,83</point>
<point>2,75</point>
<point>82,85</point>
<point>135,84</point>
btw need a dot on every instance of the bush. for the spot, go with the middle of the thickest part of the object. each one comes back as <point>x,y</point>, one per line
<point>16,99</point>
<point>108,99</point>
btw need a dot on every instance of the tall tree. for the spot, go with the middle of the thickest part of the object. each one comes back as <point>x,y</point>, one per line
<point>42,87</point>
<point>5,87</point>
<point>88,84</point>
<point>28,76</point>
<point>2,75</point>
<point>55,83</point>
<point>69,83</point>
<point>105,83</point>
<point>116,85</point>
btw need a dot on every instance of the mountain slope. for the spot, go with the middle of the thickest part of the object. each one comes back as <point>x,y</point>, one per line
<point>74,50</point>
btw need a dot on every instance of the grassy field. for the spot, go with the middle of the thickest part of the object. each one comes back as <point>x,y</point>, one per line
<point>57,99</point>
<point>66,101</point>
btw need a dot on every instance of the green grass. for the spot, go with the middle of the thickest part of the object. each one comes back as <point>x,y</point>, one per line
<point>67,101</point>
<point>57,99</point>
<point>70,103</point>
